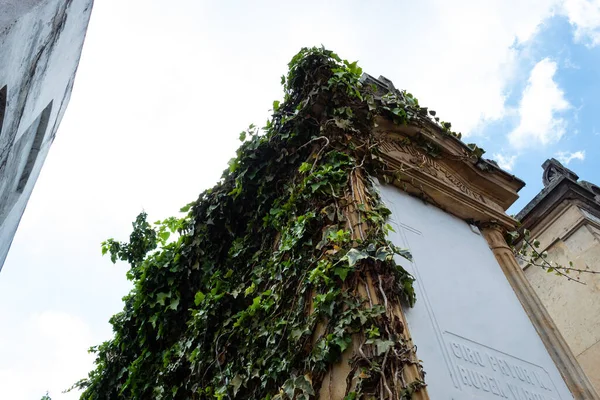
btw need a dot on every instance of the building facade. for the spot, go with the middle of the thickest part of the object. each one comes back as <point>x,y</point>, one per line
<point>40,47</point>
<point>565,218</point>
<point>478,327</point>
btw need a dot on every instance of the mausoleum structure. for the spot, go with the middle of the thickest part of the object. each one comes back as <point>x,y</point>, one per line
<point>479,326</point>
<point>565,218</point>
<point>40,46</point>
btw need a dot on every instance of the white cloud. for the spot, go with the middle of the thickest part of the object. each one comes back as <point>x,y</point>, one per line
<point>566,157</point>
<point>462,58</point>
<point>48,351</point>
<point>504,161</point>
<point>584,16</point>
<point>539,109</point>
<point>568,63</point>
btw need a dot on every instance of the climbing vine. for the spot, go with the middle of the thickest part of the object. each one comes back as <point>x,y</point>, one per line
<point>527,250</point>
<point>271,275</point>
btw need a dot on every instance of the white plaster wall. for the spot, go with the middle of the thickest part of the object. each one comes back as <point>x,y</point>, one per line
<point>40,47</point>
<point>472,334</point>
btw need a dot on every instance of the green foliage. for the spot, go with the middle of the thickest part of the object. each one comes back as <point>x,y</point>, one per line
<point>227,299</point>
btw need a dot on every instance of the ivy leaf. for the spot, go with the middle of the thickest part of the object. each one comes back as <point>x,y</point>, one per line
<point>354,255</point>
<point>186,208</point>
<point>383,346</point>
<point>342,123</point>
<point>236,382</point>
<point>199,298</point>
<point>304,167</point>
<point>330,212</point>
<point>343,342</point>
<point>476,151</point>
<point>382,253</point>
<point>342,272</point>
<point>174,304</point>
<point>405,253</point>
<point>299,332</point>
<point>160,298</point>
<point>164,236</point>
<point>289,388</point>
<point>512,235</point>
<point>250,289</point>
<point>305,385</point>
<point>315,186</point>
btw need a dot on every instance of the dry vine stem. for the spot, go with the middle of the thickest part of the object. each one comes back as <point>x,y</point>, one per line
<point>547,266</point>
<point>406,365</point>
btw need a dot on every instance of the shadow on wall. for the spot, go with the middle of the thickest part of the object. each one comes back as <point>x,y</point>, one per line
<point>2,107</point>
<point>22,159</point>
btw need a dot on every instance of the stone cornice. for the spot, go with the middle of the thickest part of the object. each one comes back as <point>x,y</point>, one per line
<point>552,196</point>
<point>469,188</point>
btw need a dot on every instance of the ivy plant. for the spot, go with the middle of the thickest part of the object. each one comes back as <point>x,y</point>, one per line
<point>250,293</point>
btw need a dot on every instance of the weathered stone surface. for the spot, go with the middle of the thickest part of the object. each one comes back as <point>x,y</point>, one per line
<point>565,218</point>
<point>40,47</point>
<point>589,361</point>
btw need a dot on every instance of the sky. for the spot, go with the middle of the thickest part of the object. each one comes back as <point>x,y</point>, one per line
<point>164,88</point>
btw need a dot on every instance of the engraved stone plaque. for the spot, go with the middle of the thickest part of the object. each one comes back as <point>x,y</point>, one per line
<point>472,334</point>
<point>482,371</point>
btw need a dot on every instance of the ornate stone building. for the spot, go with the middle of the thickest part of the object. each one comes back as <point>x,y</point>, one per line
<point>40,46</point>
<point>478,326</point>
<point>565,218</point>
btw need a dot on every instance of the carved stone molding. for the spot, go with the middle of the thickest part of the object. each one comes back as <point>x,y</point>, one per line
<point>418,159</point>
<point>557,347</point>
<point>453,181</point>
